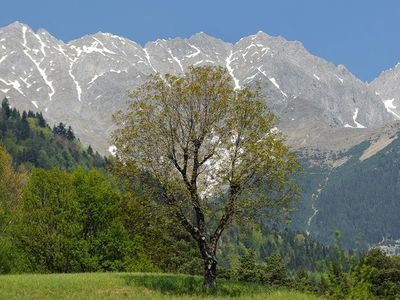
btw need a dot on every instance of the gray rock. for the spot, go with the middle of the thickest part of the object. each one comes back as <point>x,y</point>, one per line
<point>387,87</point>
<point>85,81</point>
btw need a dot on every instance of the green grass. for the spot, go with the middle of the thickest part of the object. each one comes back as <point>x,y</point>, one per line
<point>131,286</point>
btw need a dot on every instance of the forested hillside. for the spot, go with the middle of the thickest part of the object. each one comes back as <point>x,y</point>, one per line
<point>33,143</point>
<point>360,197</point>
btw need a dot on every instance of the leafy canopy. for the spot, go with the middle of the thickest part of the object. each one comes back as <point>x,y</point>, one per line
<point>213,151</point>
<point>196,129</point>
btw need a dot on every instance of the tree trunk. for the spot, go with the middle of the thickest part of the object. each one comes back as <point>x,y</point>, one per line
<point>210,272</point>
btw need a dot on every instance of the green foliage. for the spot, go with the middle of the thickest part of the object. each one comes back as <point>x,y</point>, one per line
<point>31,142</point>
<point>67,222</point>
<point>275,271</point>
<point>168,245</point>
<point>298,250</point>
<point>383,273</point>
<point>247,270</point>
<point>374,275</point>
<point>305,281</point>
<point>271,272</point>
<point>11,182</point>
<point>62,131</point>
<point>70,222</point>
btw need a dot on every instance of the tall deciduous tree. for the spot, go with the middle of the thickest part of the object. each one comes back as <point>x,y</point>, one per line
<point>213,151</point>
<point>11,183</point>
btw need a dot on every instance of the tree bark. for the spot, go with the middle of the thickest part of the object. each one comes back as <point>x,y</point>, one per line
<point>210,272</point>
<point>207,251</point>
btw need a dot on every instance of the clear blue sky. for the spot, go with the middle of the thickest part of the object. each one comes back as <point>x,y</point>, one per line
<point>364,35</point>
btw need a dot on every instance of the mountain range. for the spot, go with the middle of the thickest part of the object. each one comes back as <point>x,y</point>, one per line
<point>333,119</point>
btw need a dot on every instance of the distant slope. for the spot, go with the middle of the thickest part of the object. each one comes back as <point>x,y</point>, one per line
<point>355,190</point>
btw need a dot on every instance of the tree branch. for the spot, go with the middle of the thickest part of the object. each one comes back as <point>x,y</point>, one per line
<point>173,203</point>
<point>228,214</point>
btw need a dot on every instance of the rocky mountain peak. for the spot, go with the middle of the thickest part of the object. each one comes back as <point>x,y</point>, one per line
<point>84,81</point>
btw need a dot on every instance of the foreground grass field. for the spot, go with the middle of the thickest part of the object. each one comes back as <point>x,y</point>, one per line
<point>130,286</point>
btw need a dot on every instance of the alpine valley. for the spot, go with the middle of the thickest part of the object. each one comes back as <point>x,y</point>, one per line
<point>345,131</point>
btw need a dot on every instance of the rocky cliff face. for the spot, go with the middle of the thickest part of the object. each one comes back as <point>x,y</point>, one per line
<point>387,87</point>
<point>84,81</point>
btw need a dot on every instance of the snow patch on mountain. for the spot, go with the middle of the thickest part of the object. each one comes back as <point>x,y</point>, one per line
<point>77,85</point>
<point>390,107</point>
<point>15,84</point>
<point>148,59</point>
<point>198,51</point>
<point>358,125</point>
<point>230,69</point>
<point>176,59</point>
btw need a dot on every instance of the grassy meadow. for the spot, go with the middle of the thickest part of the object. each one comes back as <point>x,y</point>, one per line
<point>131,286</point>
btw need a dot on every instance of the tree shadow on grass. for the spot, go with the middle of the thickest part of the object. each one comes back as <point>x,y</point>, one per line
<point>181,285</point>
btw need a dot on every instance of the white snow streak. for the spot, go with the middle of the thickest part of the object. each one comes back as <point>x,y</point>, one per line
<point>78,87</point>
<point>194,53</point>
<point>148,59</point>
<point>203,61</point>
<point>314,198</point>
<point>175,59</point>
<point>339,78</point>
<point>59,48</point>
<point>42,72</point>
<point>358,125</point>
<point>247,79</point>
<point>3,58</point>
<point>316,77</point>
<point>42,45</point>
<point>15,84</point>
<point>25,80</point>
<point>94,48</point>
<point>35,104</point>
<point>312,216</point>
<point>273,80</point>
<point>71,65</point>
<point>230,70</point>
<point>95,78</point>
